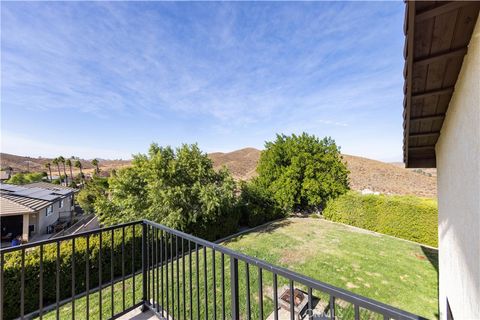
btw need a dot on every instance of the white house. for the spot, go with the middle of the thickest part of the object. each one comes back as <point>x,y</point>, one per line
<point>442,130</point>
<point>34,209</point>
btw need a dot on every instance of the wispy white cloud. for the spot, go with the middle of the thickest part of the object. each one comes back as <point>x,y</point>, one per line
<point>231,66</point>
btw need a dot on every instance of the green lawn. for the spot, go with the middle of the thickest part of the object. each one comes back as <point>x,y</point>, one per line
<point>380,267</point>
<point>390,270</point>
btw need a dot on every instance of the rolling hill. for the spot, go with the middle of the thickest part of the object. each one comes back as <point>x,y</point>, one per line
<point>365,173</point>
<point>30,164</point>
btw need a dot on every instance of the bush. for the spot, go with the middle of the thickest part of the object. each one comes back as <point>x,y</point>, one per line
<point>406,217</point>
<point>24,178</point>
<point>256,205</point>
<point>178,188</point>
<point>12,269</point>
<point>302,172</point>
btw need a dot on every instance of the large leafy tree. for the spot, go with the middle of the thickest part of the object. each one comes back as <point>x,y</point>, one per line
<point>178,188</point>
<point>92,191</point>
<point>302,172</point>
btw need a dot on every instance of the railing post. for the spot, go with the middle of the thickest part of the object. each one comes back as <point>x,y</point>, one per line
<point>234,288</point>
<point>144,267</point>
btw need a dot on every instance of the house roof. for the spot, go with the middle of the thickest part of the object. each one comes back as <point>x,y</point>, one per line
<point>30,197</point>
<point>49,186</point>
<point>4,175</point>
<point>12,204</point>
<point>437,34</point>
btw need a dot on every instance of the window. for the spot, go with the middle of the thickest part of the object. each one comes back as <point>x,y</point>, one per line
<point>61,204</point>
<point>49,210</point>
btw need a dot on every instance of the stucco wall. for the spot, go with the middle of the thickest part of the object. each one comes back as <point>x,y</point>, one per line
<point>44,221</point>
<point>458,164</point>
<point>64,212</point>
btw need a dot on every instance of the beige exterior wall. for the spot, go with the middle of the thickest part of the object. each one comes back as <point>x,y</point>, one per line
<point>458,165</point>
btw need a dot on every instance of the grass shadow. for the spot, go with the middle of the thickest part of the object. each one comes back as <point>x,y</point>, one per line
<point>432,255</point>
<point>267,228</point>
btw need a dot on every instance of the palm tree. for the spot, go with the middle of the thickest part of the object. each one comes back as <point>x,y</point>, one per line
<point>95,163</point>
<point>62,160</point>
<point>69,164</point>
<point>57,163</point>
<point>49,167</point>
<point>78,165</point>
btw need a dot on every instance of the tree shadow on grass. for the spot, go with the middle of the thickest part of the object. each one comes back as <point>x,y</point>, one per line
<point>267,228</point>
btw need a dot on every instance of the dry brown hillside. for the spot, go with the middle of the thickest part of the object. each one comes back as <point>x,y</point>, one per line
<point>30,164</point>
<point>364,173</point>
<point>241,163</point>
<point>388,178</point>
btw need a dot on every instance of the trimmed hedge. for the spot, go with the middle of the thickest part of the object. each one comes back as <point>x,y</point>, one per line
<point>12,269</point>
<point>407,217</point>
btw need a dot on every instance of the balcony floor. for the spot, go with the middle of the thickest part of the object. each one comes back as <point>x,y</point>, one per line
<point>137,314</point>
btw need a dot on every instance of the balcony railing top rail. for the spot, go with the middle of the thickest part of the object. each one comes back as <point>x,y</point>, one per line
<point>164,266</point>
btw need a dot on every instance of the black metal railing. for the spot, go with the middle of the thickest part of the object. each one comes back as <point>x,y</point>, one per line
<point>108,272</point>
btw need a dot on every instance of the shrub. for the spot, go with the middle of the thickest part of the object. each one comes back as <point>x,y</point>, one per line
<point>302,172</point>
<point>406,217</point>
<point>24,178</point>
<point>12,269</point>
<point>256,205</point>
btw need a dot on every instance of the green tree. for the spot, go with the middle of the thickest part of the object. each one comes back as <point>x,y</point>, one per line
<point>56,162</point>
<point>69,164</point>
<point>95,164</point>
<point>178,188</point>
<point>256,205</point>
<point>18,178</point>
<point>29,177</point>
<point>94,189</point>
<point>302,172</point>
<point>78,165</point>
<point>49,167</point>
<point>61,160</point>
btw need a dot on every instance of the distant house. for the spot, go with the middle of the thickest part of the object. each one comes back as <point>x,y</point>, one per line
<point>442,130</point>
<point>33,210</point>
<point>5,175</point>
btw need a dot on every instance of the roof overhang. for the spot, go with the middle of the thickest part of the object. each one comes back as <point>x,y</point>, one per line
<point>437,34</point>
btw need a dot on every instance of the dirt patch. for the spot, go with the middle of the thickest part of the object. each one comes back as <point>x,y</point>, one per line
<point>296,256</point>
<point>419,256</point>
<point>351,285</point>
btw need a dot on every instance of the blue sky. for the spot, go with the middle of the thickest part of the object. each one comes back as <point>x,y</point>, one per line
<point>105,79</point>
